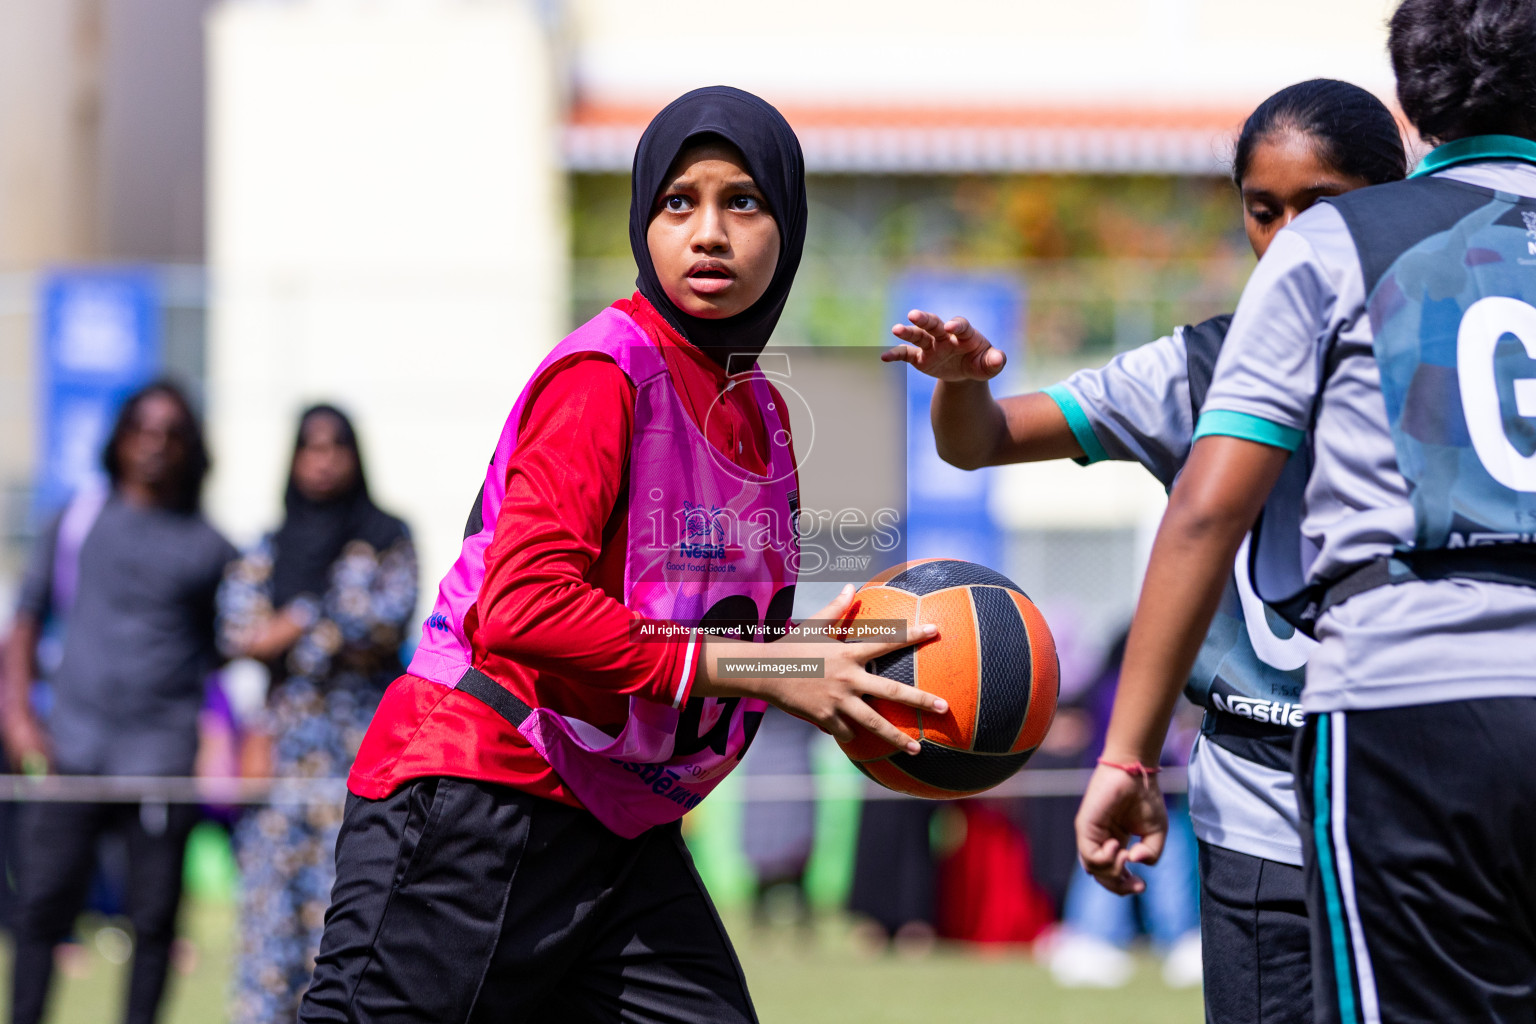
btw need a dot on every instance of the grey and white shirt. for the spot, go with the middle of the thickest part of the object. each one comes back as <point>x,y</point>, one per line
<point>1138,408</point>
<point>1299,367</point>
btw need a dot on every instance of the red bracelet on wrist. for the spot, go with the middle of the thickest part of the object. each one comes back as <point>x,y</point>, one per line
<point>1134,768</point>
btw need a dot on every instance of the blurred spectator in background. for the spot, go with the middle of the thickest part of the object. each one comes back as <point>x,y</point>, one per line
<point>1047,820</point>
<point>987,893</point>
<point>7,827</point>
<point>995,885</point>
<point>323,602</point>
<point>894,876</point>
<point>1097,927</point>
<point>777,835</point>
<point>133,568</point>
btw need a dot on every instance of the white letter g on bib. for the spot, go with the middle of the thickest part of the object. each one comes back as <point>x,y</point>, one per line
<point>1484,324</point>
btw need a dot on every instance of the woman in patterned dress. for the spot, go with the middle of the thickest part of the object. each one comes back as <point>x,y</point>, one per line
<point>324,603</point>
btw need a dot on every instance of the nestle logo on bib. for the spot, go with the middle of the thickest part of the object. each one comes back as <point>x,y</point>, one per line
<point>704,531</point>
<point>1273,712</point>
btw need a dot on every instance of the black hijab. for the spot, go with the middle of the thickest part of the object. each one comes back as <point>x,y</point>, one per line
<point>773,159</point>
<point>314,532</point>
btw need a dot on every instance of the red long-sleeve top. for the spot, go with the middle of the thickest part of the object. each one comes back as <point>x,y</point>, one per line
<point>550,621</point>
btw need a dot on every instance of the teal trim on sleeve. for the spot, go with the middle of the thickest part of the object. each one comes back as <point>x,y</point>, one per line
<point>1249,428</point>
<point>1082,430</point>
<point>1476,148</point>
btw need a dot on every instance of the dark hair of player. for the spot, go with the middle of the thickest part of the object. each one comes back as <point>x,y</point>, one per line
<point>1466,67</point>
<point>194,465</point>
<point>1353,131</point>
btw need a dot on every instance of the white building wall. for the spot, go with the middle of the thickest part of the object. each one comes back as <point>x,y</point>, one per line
<point>388,232</point>
<point>1202,53</point>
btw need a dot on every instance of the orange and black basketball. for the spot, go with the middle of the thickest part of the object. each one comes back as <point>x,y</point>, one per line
<point>994,661</point>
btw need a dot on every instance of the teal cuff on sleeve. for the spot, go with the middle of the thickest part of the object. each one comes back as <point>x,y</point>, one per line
<point>1082,430</point>
<point>1248,427</point>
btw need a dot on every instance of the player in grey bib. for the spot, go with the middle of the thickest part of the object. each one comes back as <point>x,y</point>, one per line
<point>1389,336</point>
<point>1318,138</point>
<point>1142,407</point>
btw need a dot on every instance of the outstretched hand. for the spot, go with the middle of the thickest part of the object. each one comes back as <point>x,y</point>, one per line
<point>1117,806</point>
<point>951,350</point>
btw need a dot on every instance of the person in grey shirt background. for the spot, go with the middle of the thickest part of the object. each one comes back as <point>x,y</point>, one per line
<point>132,572</point>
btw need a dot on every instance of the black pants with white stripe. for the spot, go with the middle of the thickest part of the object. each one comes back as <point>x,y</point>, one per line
<point>1419,826</point>
<point>461,901</point>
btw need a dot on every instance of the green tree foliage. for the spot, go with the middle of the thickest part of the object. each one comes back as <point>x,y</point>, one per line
<point>1108,260</point>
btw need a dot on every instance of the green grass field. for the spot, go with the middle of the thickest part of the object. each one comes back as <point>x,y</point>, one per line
<point>794,981</point>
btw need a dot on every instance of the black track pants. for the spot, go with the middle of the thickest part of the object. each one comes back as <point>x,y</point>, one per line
<point>1254,940</point>
<point>1420,831</point>
<point>462,901</point>
<point>57,854</point>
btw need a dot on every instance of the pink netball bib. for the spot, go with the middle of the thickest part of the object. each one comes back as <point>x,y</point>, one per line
<point>709,543</point>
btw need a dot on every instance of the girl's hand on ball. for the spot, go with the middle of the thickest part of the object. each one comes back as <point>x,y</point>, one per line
<point>952,350</point>
<point>835,701</point>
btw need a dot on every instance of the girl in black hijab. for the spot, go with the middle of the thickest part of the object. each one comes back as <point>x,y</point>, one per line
<point>324,602</point>
<point>522,766</point>
<point>764,139</point>
<point>326,506</point>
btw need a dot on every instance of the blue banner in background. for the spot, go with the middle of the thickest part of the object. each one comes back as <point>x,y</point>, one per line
<point>948,509</point>
<point>99,340</point>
